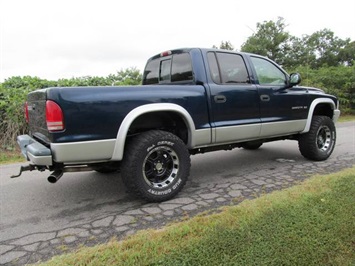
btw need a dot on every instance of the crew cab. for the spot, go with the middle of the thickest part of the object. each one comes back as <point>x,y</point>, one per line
<point>191,101</point>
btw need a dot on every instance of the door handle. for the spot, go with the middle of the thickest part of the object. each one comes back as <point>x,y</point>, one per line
<point>220,99</point>
<point>265,98</point>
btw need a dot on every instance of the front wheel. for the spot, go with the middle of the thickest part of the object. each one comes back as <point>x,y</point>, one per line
<point>156,165</point>
<point>318,144</point>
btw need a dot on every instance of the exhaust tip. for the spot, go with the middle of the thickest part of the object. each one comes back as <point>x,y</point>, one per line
<point>54,177</point>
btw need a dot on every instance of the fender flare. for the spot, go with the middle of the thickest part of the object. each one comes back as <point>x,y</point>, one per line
<point>150,108</point>
<point>311,111</point>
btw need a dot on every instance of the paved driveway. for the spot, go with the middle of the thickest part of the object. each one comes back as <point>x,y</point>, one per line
<point>39,219</point>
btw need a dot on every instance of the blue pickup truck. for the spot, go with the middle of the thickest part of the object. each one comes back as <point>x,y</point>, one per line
<point>191,101</point>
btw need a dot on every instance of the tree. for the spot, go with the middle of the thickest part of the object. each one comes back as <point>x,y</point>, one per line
<point>13,93</point>
<point>84,81</point>
<point>319,49</point>
<point>347,54</point>
<point>323,59</point>
<point>270,39</point>
<point>128,76</point>
<point>336,80</point>
<point>324,48</point>
<point>224,45</point>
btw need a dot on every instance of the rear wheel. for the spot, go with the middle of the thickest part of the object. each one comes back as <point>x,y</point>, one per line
<point>156,165</point>
<point>318,144</point>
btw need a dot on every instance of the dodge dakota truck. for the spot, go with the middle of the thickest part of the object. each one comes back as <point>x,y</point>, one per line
<point>191,101</point>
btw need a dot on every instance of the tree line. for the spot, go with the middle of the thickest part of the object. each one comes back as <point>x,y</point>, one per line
<point>323,60</point>
<point>320,49</point>
<point>13,92</point>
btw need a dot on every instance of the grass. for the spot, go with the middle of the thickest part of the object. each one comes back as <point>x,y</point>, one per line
<point>309,224</point>
<point>346,118</point>
<point>10,156</point>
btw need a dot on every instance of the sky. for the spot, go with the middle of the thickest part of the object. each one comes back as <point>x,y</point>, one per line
<point>54,39</point>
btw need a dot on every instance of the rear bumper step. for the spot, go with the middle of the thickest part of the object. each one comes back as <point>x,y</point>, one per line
<point>34,151</point>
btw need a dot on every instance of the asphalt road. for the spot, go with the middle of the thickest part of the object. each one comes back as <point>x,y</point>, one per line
<point>33,212</point>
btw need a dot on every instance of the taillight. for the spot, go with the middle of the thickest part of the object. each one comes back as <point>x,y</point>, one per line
<point>26,113</point>
<point>54,117</point>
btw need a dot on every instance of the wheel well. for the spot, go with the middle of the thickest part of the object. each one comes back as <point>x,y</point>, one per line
<point>323,109</point>
<point>167,121</point>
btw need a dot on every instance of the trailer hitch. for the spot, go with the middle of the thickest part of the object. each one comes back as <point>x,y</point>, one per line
<point>29,167</point>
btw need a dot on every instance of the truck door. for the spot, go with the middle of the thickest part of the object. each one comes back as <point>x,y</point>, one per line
<point>234,100</point>
<point>282,111</point>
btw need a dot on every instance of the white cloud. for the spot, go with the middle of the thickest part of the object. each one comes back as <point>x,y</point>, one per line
<point>58,39</point>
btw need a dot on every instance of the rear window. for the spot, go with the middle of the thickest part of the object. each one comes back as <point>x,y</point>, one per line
<point>151,73</point>
<point>176,68</point>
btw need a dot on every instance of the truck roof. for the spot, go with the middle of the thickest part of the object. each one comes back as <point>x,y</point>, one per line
<point>204,50</point>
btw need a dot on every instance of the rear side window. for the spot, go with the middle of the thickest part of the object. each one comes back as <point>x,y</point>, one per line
<point>227,68</point>
<point>175,68</point>
<point>212,61</point>
<point>181,69</point>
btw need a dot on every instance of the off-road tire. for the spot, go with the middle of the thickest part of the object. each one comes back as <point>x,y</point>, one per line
<point>155,166</point>
<point>318,144</point>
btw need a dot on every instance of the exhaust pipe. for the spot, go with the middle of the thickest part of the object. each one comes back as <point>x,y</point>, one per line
<point>54,177</point>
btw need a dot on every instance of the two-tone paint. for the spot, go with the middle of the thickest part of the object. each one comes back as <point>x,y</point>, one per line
<point>98,119</point>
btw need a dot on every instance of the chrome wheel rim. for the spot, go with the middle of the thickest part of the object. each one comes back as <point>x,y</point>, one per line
<point>160,167</point>
<point>324,138</point>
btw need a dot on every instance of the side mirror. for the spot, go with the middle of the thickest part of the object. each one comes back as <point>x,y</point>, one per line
<point>295,79</point>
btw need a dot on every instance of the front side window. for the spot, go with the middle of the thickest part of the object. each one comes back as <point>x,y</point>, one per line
<point>268,73</point>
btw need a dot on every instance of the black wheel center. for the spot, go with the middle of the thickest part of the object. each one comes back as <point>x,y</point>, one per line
<point>160,167</point>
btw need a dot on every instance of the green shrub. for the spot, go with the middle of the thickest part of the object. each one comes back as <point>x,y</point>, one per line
<point>339,81</point>
<point>13,92</point>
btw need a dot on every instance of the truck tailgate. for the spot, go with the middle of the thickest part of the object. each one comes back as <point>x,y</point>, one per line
<point>36,104</point>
